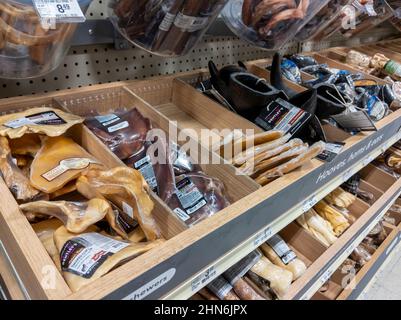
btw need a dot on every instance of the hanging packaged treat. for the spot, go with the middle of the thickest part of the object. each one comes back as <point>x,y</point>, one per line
<point>270,24</point>
<point>167,27</point>
<point>196,197</point>
<point>88,256</point>
<point>367,15</point>
<point>124,132</point>
<point>76,216</point>
<point>35,35</point>
<point>47,121</point>
<point>59,161</point>
<point>331,11</point>
<point>15,179</point>
<point>127,190</point>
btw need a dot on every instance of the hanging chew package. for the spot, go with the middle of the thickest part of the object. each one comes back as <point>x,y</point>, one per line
<point>59,161</point>
<point>47,121</point>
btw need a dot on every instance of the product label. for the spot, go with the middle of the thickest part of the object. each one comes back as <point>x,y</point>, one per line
<point>119,126</point>
<point>128,209</point>
<point>281,115</point>
<point>49,118</point>
<point>107,119</point>
<point>203,278</point>
<point>331,150</point>
<point>145,167</point>
<point>67,11</point>
<point>393,68</point>
<point>355,121</point>
<point>238,270</point>
<point>281,249</point>
<point>66,165</point>
<point>167,22</point>
<point>220,287</point>
<point>124,221</point>
<point>83,255</point>
<point>189,23</point>
<point>191,199</point>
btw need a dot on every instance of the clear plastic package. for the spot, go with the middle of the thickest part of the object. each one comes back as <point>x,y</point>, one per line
<point>164,27</point>
<point>317,26</point>
<point>270,24</point>
<point>367,16</point>
<point>27,48</point>
<point>395,5</point>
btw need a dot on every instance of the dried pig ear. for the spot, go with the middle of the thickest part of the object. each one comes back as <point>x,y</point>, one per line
<point>77,217</point>
<point>59,161</point>
<point>84,271</point>
<point>14,178</point>
<point>47,121</point>
<point>27,145</point>
<point>127,189</point>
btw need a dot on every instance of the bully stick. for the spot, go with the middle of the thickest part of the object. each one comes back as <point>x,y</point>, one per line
<point>167,23</point>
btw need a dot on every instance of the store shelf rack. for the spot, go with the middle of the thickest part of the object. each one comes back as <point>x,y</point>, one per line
<point>191,262</point>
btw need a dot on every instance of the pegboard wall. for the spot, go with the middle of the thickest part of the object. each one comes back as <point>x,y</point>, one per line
<point>87,65</point>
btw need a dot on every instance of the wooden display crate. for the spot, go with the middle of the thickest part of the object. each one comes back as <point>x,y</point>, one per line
<point>187,251</point>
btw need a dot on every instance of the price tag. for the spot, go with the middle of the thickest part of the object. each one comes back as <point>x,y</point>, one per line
<point>309,204</point>
<point>203,279</point>
<point>368,160</point>
<point>349,250</point>
<point>262,237</point>
<point>60,11</point>
<point>326,276</point>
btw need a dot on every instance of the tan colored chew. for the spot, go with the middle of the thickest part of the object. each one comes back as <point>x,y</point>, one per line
<point>249,166</point>
<point>336,219</point>
<point>27,145</point>
<point>127,189</point>
<point>252,152</point>
<point>279,278</point>
<point>14,178</point>
<point>245,292</point>
<point>59,161</point>
<point>280,159</point>
<point>340,198</point>
<point>76,217</point>
<point>45,231</point>
<point>293,164</point>
<point>297,267</point>
<point>68,188</point>
<point>51,130</point>
<point>129,252</point>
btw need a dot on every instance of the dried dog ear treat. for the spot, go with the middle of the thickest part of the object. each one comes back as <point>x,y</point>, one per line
<point>88,256</point>
<point>14,178</point>
<point>27,145</point>
<point>77,217</point>
<point>125,188</point>
<point>47,121</point>
<point>45,231</point>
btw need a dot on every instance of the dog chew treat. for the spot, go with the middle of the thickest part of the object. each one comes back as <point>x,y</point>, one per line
<point>258,149</point>
<point>68,188</point>
<point>76,217</point>
<point>248,167</point>
<point>245,292</point>
<point>47,121</point>
<point>318,226</point>
<point>297,267</point>
<point>291,165</point>
<point>279,278</point>
<point>27,145</point>
<point>88,256</point>
<point>336,219</point>
<point>14,178</point>
<point>45,231</point>
<point>207,294</point>
<point>59,161</point>
<point>268,164</point>
<point>127,190</point>
<point>340,198</point>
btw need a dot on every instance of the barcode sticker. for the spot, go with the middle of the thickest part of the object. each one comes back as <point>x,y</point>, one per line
<point>262,237</point>
<point>203,279</point>
<point>59,11</point>
<point>309,204</point>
